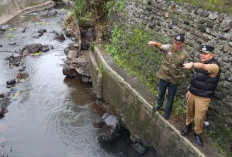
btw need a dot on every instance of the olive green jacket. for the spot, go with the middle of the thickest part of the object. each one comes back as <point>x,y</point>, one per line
<point>171,67</point>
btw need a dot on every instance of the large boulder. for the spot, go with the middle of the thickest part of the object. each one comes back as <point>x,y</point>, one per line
<point>33,48</point>
<point>4,102</point>
<point>109,128</point>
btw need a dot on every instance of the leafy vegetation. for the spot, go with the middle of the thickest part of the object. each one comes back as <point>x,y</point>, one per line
<point>220,135</point>
<point>118,6</point>
<point>130,50</point>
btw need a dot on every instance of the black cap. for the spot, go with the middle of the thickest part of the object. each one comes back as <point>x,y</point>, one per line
<point>207,48</point>
<point>179,37</point>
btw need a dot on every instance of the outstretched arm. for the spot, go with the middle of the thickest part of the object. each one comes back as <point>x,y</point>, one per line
<point>205,67</point>
<point>156,44</point>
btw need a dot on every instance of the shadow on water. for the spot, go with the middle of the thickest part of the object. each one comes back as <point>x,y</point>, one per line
<point>49,115</point>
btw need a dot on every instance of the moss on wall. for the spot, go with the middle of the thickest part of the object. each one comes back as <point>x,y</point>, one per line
<point>224,6</point>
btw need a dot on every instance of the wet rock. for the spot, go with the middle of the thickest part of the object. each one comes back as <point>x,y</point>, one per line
<point>23,67</point>
<point>66,50</point>
<point>109,128</point>
<point>4,102</point>
<point>67,33</point>
<point>42,30</point>
<point>88,34</point>
<point>14,59</point>
<point>3,110</point>
<point>151,153</point>
<point>72,54</point>
<point>33,48</point>
<point>74,46</point>
<point>59,36</point>
<point>139,147</point>
<point>85,45</point>
<point>11,82</point>
<point>36,35</point>
<point>51,13</point>
<point>22,75</point>
<point>23,30</point>
<point>86,79</point>
<point>69,71</point>
<point>132,152</point>
<point>4,27</point>
<point>46,48</point>
<point>25,52</point>
<point>12,43</point>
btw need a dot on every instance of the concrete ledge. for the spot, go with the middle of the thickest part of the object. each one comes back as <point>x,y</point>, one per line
<point>136,111</point>
<point>9,16</point>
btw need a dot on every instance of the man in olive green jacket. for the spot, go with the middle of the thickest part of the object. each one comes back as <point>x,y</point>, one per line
<point>170,71</point>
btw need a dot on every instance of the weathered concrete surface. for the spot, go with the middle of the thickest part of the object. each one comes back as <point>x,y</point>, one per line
<point>11,8</point>
<point>135,109</point>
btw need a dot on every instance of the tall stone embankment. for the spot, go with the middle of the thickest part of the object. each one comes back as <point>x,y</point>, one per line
<point>200,26</point>
<point>12,8</point>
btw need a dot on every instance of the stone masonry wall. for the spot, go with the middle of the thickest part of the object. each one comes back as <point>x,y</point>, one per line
<point>200,27</point>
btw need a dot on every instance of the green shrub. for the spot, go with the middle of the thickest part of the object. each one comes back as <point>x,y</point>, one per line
<point>130,50</point>
<point>81,8</point>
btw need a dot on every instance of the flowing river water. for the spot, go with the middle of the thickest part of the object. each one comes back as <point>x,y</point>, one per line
<point>49,115</point>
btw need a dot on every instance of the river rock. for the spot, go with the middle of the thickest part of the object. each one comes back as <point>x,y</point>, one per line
<point>59,36</point>
<point>136,150</point>
<point>4,27</point>
<point>23,30</point>
<point>51,13</point>
<point>23,67</point>
<point>22,75</point>
<point>10,83</point>
<point>14,59</point>
<point>109,128</point>
<point>151,153</point>
<point>42,30</point>
<point>72,54</point>
<point>36,35</point>
<point>33,48</point>
<point>46,48</point>
<point>85,45</point>
<point>4,102</point>
<point>12,43</point>
<point>67,33</point>
<point>66,50</point>
<point>88,34</point>
<point>69,71</point>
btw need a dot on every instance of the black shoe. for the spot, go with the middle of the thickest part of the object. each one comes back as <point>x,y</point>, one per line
<point>186,130</point>
<point>198,139</point>
<point>156,108</point>
<point>166,117</point>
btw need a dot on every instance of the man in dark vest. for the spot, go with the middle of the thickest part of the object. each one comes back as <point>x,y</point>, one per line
<point>202,88</point>
<point>170,71</point>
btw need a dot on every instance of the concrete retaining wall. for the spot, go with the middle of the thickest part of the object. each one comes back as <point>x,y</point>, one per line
<point>135,111</point>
